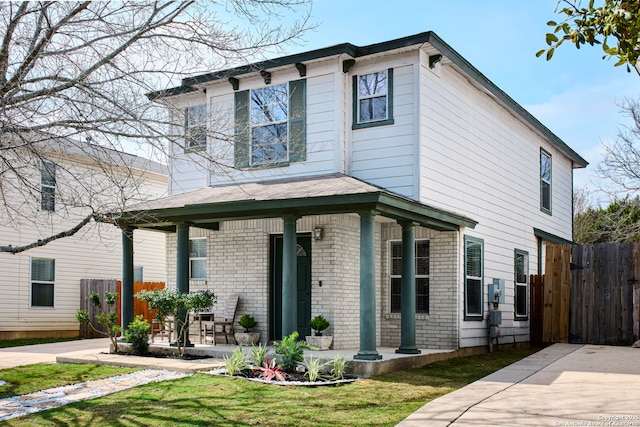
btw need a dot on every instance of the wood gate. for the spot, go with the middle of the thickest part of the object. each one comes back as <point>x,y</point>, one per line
<point>100,286</point>
<point>591,294</point>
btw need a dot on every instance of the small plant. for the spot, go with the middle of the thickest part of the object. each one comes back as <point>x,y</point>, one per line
<point>172,302</point>
<point>237,362</point>
<point>247,322</point>
<point>313,366</point>
<point>259,354</point>
<point>338,365</point>
<point>290,351</point>
<point>319,324</point>
<point>106,317</point>
<point>271,371</point>
<point>137,334</point>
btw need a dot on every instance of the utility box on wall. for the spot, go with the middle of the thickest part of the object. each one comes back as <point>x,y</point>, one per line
<point>496,292</point>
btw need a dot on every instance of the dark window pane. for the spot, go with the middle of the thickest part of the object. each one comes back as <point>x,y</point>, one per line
<point>521,301</point>
<point>41,295</point>
<point>43,269</point>
<point>48,199</point>
<point>269,144</point>
<point>197,248</point>
<point>422,258</point>
<point>474,259</point>
<point>396,285</point>
<point>473,295</point>
<point>373,109</point>
<point>546,195</point>
<point>545,167</point>
<point>373,84</point>
<point>422,295</point>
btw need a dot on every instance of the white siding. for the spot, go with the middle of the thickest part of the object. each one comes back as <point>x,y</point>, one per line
<point>385,155</point>
<point>94,252</point>
<point>479,160</point>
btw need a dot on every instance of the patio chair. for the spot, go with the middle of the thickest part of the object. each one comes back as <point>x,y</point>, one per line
<point>224,327</point>
<point>162,329</point>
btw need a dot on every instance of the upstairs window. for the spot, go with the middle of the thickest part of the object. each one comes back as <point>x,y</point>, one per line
<point>47,186</point>
<point>473,281</point>
<point>373,96</point>
<point>545,181</point>
<point>43,276</point>
<point>270,125</point>
<point>422,276</point>
<point>198,259</point>
<point>196,128</point>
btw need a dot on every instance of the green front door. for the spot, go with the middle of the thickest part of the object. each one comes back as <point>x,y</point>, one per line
<point>304,286</point>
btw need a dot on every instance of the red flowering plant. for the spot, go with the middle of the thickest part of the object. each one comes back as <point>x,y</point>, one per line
<point>271,371</point>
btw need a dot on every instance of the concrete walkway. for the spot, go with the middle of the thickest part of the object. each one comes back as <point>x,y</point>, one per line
<point>47,353</point>
<point>562,385</point>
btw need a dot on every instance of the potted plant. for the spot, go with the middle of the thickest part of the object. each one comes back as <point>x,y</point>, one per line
<point>247,322</point>
<point>319,341</point>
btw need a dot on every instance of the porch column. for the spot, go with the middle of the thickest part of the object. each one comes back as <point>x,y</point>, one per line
<point>289,276</point>
<point>126,316</point>
<point>182,278</point>
<point>367,288</point>
<point>408,291</point>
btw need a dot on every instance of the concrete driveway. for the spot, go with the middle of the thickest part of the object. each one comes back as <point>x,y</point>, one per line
<point>562,385</point>
<point>47,353</point>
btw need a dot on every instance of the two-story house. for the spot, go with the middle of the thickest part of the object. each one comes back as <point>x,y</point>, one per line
<point>383,186</point>
<point>50,187</point>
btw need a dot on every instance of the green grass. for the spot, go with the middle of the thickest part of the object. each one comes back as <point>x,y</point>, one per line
<point>31,341</point>
<point>204,400</point>
<point>40,376</point>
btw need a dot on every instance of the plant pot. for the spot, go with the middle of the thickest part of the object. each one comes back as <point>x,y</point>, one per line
<point>320,342</point>
<point>247,338</point>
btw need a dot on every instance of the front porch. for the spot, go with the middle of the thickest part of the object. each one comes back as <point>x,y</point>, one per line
<point>242,226</point>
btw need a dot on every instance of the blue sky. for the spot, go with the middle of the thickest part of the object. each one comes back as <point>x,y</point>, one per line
<point>576,94</point>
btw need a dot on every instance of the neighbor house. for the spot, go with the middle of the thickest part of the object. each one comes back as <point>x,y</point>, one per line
<point>335,173</point>
<point>63,182</point>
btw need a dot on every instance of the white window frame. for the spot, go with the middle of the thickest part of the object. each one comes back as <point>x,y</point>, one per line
<point>397,276</point>
<point>47,187</point>
<point>195,132</point>
<point>36,281</point>
<point>364,97</point>
<point>546,175</point>
<point>194,256</point>
<point>467,277</point>
<point>519,284</point>
<point>254,124</point>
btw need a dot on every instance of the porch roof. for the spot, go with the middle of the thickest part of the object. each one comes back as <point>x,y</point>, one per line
<point>305,196</point>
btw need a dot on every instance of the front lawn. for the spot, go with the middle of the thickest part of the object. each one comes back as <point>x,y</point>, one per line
<point>204,400</point>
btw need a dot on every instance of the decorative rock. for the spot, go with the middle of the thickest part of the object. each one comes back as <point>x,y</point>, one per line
<point>636,344</point>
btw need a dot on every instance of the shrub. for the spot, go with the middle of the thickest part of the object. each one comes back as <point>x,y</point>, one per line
<point>338,365</point>
<point>137,334</point>
<point>319,324</point>
<point>247,322</point>
<point>313,367</point>
<point>259,354</point>
<point>271,371</point>
<point>290,351</point>
<point>106,317</point>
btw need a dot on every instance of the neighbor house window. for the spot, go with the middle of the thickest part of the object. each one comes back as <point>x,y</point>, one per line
<point>422,276</point>
<point>473,281</point>
<point>198,258</point>
<point>545,181</point>
<point>270,125</point>
<point>47,186</point>
<point>138,273</point>
<point>196,128</point>
<point>373,96</point>
<point>43,276</point>
<point>521,268</point>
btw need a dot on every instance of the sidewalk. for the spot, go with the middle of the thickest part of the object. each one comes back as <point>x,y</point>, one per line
<point>562,385</point>
<point>47,353</point>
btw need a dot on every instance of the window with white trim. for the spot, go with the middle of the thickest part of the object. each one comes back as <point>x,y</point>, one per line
<point>198,259</point>
<point>373,99</point>
<point>43,276</point>
<point>196,128</point>
<point>473,278</point>
<point>545,181</point>
<point>269,125</point>
<point>521,280</point>
<point>138,273</point>
<point>422,276</point>
<point>47,186</point>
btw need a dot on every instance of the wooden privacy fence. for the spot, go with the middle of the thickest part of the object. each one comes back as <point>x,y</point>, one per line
<point>591,294</point>
<point>111,285</point>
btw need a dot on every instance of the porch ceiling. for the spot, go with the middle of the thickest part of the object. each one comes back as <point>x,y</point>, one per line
<point>319,195</point>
